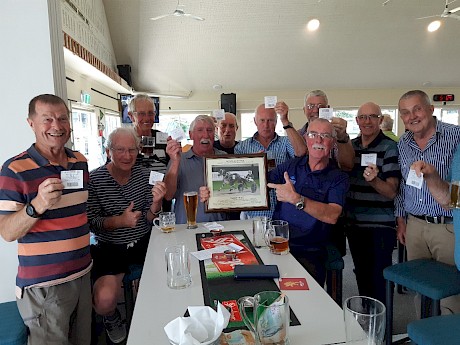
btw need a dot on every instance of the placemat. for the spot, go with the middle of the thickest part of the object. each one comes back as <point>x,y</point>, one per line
<point>218,283</point>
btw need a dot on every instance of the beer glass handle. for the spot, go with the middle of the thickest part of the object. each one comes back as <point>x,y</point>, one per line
<point>243,303</point>
<point>269,233</point>
<point>155,224</point>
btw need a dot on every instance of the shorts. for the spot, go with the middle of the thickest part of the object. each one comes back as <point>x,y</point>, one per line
<point>112,259</point>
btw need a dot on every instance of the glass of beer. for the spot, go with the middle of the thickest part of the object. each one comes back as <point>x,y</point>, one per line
<point>454,190</point>
<point>166,221</point>
<point>191,206</point>
<point>277,236</point>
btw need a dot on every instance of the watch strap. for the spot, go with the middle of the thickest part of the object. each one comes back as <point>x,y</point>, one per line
<point>289,125</point>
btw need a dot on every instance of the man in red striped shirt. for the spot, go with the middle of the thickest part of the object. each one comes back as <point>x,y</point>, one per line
<point>43,193</point>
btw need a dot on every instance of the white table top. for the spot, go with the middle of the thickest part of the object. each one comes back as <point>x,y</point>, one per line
<point>320,317</point>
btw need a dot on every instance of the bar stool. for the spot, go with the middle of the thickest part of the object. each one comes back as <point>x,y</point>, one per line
<point>433,280</point>
<point>130,279</point>
<point>334,274</point>
<point>12,328</point>
<point>436,330</point>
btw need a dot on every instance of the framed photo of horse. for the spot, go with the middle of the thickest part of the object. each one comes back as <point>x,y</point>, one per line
<point>237,182</point>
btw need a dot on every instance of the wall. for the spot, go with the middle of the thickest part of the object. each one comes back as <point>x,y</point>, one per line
<point>27,70</point>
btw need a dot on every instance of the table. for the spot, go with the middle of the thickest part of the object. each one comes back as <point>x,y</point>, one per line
<point>320,317</point>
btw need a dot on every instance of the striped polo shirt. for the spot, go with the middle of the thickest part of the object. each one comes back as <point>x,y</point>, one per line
<point>438,152</point>
<point>365,206</point>
<point>56,248</point>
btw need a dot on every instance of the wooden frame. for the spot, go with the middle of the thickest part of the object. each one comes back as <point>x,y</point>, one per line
<point>237,182</point>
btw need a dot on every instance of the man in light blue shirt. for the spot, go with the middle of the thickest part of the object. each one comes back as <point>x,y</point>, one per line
<point>278,148</point>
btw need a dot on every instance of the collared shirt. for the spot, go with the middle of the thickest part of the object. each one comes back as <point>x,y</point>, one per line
<point>56,248</point>
<point>455,169</point>
<point>438,152</point>
<point>328,185</point>
<point>365,206</point>
<point>190,178</point>
<point>280,149</point>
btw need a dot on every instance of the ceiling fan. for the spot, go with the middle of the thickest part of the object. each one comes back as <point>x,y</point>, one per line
<point>178,12</point>
<point>446,13</point>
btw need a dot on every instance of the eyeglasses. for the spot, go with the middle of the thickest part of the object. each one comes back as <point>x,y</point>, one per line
<point>143,113</point>
<point>122,151</point>
<point>317,106</point>
<point>367,117</point>
<point>324,136</point>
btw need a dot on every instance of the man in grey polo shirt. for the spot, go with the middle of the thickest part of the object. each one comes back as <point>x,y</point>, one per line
<point>186,170</point>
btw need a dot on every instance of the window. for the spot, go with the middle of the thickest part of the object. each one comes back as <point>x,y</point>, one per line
<point>112,121</point>
<point>248,127</point>
<point>86,137</point>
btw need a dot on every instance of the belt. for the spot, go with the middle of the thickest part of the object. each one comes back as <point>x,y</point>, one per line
<point>435,220</point>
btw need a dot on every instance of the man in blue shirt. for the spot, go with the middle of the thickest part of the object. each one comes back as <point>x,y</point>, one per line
<point>424,226</point>
<point>278,148</point>
<point>311,194</point>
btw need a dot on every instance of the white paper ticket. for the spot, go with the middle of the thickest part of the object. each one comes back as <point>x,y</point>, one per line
<point>218,114</point>
<point>368,158</point>
<point>270,101</point>
<point>72,179</point>
<point>326,113</point>
<point>413,180</point>
<point>155,176</point>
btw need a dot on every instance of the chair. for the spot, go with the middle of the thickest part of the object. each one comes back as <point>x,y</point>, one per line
<point>436,330</point>
<point>12,328</point>
<point>433,280</point>
<point>130,279</point>
<point>334,274</point>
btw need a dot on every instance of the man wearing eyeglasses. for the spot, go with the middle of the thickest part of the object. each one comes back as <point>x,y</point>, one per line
<point>370,221</point>
<point>311,194</point>
<point>141,111</point>
<point>424,226</point>
<point>343,152</point>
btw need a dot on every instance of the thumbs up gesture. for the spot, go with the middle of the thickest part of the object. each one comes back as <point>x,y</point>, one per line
<point>129,218</point>
<point>285,192</point>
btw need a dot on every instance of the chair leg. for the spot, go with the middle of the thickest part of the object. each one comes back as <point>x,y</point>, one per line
<point>334,285</point>
<point>129,303</point>
<point>389,314</point>
<point>436,307</point>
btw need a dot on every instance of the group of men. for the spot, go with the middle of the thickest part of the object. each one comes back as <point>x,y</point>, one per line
<point>317,174</point>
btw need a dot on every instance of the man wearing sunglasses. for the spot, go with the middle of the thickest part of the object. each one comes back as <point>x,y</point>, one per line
<point>343,151</point>
<point>370,221</point>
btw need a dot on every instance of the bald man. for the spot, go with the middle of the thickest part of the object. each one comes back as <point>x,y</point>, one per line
<point>374,181</point>
<point>226,132</point>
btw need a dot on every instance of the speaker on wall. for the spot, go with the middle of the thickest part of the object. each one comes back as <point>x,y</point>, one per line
<point>124,71</point>
<point>228,102</point>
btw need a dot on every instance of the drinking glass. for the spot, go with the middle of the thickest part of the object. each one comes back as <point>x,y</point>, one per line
<point>191,207</point>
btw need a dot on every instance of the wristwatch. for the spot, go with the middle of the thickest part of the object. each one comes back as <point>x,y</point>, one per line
<point>289,125</point>
<point>300,204</point>
<point>31,212</point>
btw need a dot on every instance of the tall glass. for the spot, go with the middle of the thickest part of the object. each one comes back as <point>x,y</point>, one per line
<point>454,194</point>
<point>191,207</point>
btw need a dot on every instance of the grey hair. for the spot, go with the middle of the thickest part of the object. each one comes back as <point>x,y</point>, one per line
<point>205,118</point>
<point>316,93</point>
<point>122,130</point>
<point>318,119</point>
<point>387,123</point>
<point>233,116</point>
<point>138,97</point>
<point>418,93</point>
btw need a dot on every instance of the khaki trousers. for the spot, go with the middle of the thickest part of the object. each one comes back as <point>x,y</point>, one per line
<point>432,241</point>
<point>58,315</point>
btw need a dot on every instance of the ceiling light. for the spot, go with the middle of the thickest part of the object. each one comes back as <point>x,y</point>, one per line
<point>313,25</point>
<point>433,26</point>
<point>217,87</point>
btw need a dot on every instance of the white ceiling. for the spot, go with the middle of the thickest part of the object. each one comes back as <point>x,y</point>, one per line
<point>263,44</point>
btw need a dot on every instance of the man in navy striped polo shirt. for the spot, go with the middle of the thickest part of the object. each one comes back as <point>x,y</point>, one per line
<point>370,218</point>
<point>43,193</point>
<point>424,226</point>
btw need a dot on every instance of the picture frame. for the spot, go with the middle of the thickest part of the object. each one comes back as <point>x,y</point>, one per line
<point>237,182</point>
